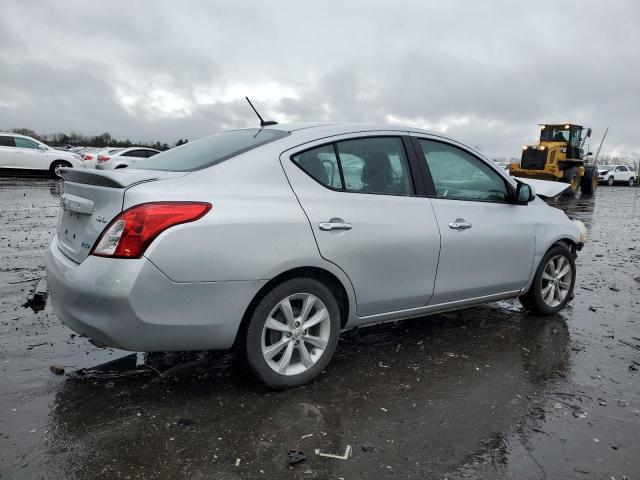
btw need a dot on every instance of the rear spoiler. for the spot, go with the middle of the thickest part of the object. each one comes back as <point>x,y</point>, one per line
<point>121,178</point>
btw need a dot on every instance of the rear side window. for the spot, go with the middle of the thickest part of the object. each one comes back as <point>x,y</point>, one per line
<point>6,141</point>
<point>364,165</point>
<point>211,150</point>
<point>623,169</point>
<point>375,165</point>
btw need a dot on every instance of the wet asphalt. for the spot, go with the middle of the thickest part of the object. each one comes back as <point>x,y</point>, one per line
<point>488,392</point>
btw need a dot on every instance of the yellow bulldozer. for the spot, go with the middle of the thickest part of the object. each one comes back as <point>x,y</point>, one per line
<point>559,156</point>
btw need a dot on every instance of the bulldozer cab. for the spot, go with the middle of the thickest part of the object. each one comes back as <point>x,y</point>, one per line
<point>570,135</point>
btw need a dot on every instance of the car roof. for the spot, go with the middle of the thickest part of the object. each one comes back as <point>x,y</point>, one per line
<point>17,135</point>
<point>321,130</point>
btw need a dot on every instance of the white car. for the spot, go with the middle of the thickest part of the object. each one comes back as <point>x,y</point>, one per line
<point>123,157</point>
<point>26,153</point>
<point>92,154</point>
<point>616,173</point>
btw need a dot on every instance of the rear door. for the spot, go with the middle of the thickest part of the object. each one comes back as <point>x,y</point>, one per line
<point>487,243</point>
<point>7,151</point>
<point>369,217</point>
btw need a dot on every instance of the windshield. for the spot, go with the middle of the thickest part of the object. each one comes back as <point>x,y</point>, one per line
<point>210,150</point>
<point>554,134</point>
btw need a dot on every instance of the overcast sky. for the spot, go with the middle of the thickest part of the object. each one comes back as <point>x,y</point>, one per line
<point>485,72</point>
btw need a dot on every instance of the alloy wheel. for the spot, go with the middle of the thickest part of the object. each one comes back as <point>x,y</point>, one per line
<point>296,334</point>
<point>556,280</point>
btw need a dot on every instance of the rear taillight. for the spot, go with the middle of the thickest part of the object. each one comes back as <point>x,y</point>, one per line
<point>131,232</point>
<point>87,157</point>
<point>103,158</point>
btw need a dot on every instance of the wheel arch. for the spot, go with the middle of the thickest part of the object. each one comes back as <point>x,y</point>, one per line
<point>565,241</point>
<point>328,278</point>
<point>60,160</point>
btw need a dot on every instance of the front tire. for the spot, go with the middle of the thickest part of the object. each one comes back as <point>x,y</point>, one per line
<point>55,167</point>
<point>292,333</point>
<point>610,180</point>
<point>553,283</point>
<point>571,177</point>
<point>631,182</point>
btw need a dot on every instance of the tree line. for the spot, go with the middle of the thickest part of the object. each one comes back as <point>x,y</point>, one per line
<point>75,139</point>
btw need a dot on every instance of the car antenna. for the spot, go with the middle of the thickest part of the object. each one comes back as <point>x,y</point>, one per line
<point>262,122</point>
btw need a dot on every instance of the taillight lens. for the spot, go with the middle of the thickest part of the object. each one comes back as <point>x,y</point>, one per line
<point>131,232</point>
<point>103,158</point>
<point>87,157</point>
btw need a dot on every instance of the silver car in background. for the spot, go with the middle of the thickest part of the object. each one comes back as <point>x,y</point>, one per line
<point>274,240</point>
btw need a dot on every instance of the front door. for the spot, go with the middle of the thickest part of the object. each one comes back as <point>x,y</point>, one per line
<point>359,196</point>
<point>488,243</point>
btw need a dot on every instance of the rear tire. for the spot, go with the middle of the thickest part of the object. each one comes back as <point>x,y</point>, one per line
<point>610,180</point>
<point>55,167</point>
<point>279,350</point>
<point>552,285</point>
<point>571,177</point>
<point>589,181</point>
<point>631,182</point>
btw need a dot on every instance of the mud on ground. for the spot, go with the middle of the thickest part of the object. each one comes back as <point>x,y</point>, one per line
<point>489,392</point>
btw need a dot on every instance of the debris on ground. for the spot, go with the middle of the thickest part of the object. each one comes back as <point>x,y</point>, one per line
<point>123,367</point>
<point>295,456</point>
<point>57,369</point>
<point>347,454</point>
<point>36,301</point>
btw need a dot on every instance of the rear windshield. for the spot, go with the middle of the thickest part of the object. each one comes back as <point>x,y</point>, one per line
<point>210,150</point>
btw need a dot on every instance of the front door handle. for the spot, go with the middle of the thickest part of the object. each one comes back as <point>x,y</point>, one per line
<point>460,224</point>
<point>335,224</point>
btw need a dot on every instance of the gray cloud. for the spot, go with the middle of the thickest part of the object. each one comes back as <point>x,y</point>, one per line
<point>484,72</point>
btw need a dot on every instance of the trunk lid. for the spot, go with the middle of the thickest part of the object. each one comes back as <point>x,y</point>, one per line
<point>91,199</point>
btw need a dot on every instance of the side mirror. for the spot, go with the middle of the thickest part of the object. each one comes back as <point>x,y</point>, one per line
<point>588,132</point>
<point>524,193</point>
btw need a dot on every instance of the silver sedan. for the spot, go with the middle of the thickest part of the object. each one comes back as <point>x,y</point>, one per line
<point>274,240</point>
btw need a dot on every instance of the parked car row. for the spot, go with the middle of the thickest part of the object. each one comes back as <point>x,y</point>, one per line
<point>26,153</point>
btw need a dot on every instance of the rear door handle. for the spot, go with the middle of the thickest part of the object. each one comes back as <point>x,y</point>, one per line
<point>333,225</point>
<point>460,224</point>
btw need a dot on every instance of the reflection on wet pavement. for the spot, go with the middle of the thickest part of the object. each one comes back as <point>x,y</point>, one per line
<point>489,392</point>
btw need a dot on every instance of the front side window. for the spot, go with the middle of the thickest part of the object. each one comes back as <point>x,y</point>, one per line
<point>7,141</point>
<point>364,165</point>
<point>459,175</point>
<point>211,150</point>
<point>25,143</point>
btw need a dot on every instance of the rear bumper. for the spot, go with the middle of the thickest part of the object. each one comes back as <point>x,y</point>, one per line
<point>132,305</point>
